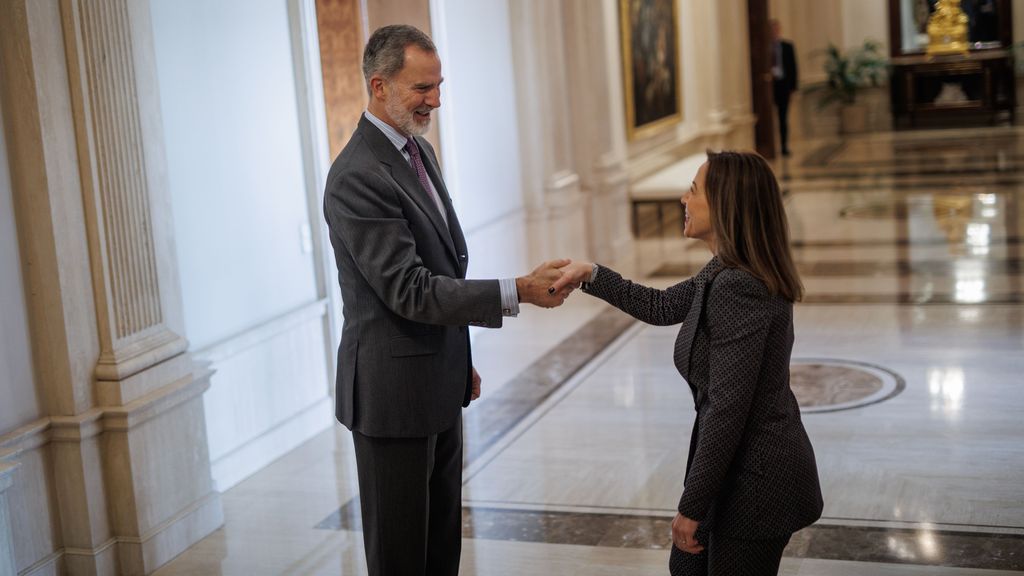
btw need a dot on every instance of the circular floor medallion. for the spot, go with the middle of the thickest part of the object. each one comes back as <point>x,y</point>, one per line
<point>826,385</point>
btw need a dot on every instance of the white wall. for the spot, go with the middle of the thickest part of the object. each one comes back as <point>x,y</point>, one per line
<point>18,401</point>
<point>240,185</point>
<point>866,20</point>
<point>479,132</point>
<point>231,119</point>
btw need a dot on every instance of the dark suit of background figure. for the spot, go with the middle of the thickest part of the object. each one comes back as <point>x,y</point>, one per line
<point>751,477</point>
<point>784,83</point>
<point>404,365</point>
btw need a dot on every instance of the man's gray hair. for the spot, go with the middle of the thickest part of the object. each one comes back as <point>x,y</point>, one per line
<point>385,51</point>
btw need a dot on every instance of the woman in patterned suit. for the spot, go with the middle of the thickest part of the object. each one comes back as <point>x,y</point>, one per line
<point>751,478</point>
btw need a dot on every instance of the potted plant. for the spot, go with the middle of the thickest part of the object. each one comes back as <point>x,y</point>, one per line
<point>847,74</point>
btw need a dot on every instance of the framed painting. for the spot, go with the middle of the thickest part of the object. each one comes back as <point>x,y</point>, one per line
<point>650,64</point>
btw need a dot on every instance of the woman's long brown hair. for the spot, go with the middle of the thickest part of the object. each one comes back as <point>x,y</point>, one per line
<point>749,220</point>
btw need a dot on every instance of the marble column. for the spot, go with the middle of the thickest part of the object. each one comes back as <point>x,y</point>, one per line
<point>734,83</point>
<point>714,115</point>
<point>598,125</point>
<point>552,197</point>
<point>125,426</point>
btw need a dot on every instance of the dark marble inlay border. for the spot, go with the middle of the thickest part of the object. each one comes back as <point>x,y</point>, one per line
<point>497,413</point>
<point>952,159</point>
<point>917,298</point>
<point>979,550</point>
<point>824,154</point>
<point>901,268</point>
<point>925,147</point>
<point>947,187</point>
<point>904,171</point>
<point>902,241</point>
<point>899,384</point>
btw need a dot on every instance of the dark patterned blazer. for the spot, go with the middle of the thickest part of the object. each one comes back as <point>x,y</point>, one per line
<point>751,471</point>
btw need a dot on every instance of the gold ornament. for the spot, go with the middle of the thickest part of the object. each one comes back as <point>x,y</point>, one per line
<point>947,29</point>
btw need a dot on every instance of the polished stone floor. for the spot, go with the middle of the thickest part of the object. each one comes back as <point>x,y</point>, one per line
<point>908,363</point>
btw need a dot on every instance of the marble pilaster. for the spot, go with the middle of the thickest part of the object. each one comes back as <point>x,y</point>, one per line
<point>592,57</point>
<point>123,438</point>
<point>552,197</point>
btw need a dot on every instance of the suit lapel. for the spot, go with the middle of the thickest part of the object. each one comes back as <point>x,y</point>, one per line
<point>403,173</point>
<point>454,228</point>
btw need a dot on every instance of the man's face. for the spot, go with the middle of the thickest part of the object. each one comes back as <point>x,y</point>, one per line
<point>411,94</point>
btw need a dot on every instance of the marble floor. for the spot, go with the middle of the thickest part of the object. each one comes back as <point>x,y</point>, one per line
<point>908,363</point>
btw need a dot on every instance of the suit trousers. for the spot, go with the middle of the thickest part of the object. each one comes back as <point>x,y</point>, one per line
<point>724,556</point>
<point>781,95</point>
<point>410,492</point>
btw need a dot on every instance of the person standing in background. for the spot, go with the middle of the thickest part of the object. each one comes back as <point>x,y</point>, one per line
<point>784,80</point>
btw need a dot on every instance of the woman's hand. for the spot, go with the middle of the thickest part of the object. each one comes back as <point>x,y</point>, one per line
<point>683,534</point>
<point>573,274</point>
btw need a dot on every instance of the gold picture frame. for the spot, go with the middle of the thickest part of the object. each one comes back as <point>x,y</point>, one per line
<point>650,65</point>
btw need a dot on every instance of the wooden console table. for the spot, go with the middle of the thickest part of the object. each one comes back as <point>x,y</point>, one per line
<point>979,83</point>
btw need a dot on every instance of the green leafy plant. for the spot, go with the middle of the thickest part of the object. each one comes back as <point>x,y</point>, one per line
<point>850,71</point>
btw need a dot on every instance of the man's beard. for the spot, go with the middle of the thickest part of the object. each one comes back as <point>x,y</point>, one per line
<point>405,118</point>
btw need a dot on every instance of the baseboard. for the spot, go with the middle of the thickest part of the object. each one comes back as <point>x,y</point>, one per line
<point>51,565</point>
<point>100,561</point>
<point>144,555</point>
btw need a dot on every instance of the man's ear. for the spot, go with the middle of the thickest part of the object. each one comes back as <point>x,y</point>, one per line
<point>377,87</point>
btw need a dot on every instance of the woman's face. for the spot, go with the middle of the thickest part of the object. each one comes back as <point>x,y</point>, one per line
<point>698,215</point>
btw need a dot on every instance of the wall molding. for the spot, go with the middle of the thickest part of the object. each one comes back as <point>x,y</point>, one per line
<point>282,431</point>
<point>259,333</point>
<point>252,456</point>
<point>51,564</point>
<point>43,431</point>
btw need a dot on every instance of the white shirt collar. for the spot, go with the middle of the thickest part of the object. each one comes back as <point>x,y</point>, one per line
<point>396,137</point>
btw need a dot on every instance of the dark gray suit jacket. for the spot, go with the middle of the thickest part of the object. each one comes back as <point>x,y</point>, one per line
<point>751,472</point>
<point>404,363</point>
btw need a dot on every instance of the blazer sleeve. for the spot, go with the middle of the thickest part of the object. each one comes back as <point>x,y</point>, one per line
<point>650,305</point>
<point>363,209</point>
<point>738,323</point>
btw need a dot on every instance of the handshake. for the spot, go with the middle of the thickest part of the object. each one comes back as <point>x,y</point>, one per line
<point>551,283</point>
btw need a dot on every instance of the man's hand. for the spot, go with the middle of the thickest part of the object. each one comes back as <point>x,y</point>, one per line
<point>476,385</point>
<point>683,531</point>
<point>573,275</point>
<point>533,288</point>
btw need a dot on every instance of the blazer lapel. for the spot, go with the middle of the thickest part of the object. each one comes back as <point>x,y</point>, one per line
<point>454,228</point>
<point>403,173</point>
<point>689,328</point>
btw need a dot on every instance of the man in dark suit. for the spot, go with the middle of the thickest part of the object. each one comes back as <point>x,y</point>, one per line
<point>784,80</point>
<point>404,365</point>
